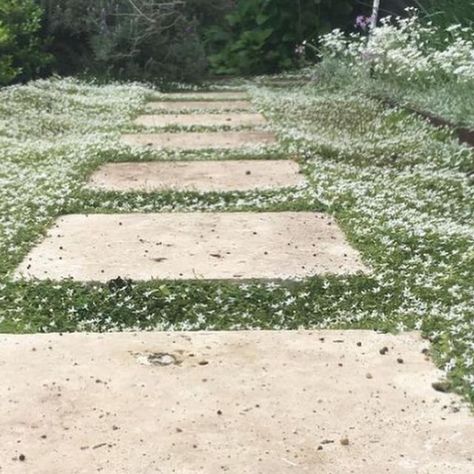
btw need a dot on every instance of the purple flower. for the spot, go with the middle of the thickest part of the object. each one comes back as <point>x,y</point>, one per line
<point>363,22</point>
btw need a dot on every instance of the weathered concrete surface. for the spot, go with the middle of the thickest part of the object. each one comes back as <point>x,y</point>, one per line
<point>203,120</point>
<point>220,105</point>
<point>239,245</point>
<point>200,141</point>
<point>204,176</point>
<point>214,95</point>
<point>253,402</point>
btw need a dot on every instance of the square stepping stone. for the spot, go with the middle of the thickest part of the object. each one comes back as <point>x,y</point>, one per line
<point>228,402</point>
<point>203,176</point>
<point>203,120</point>
<point>205,245</point>
<point>213,95</point>
<point>200,140</point>
<point>215,105</point>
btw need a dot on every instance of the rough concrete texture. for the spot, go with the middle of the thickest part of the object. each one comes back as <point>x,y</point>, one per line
<point>214,95</point>
<point>324,402</point>
<point>204,176</point>
<point>218,105</point>
<point>200,141</point>
<point>203,120</point>
<point>239,245</point>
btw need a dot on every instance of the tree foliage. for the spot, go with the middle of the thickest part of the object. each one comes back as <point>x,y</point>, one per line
<point>260,36</point>
<point>21,49</point>
<point>131,39</point>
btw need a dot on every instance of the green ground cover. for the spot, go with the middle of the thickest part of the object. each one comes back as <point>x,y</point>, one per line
<point>398,187</point>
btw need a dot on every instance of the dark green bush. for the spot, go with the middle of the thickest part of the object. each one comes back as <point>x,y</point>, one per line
<point>447,12</point>
<point>143,39</point>
<point>21,50</point>
<point>260,36</point>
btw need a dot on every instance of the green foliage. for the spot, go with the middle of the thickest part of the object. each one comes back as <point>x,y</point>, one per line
<point>444,13</point>
<point>21,55</point>
<point>145,40</point>
<point>7,72</point>
<point>261,35</point>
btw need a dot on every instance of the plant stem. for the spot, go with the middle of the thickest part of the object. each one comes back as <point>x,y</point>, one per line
<point>375,15</point>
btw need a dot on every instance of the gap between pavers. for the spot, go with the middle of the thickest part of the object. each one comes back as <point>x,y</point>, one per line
<point>183,246</point>
<point>202,176</point>
<point>325,402</point>
<point>203,120</point>
<point>216,105</point>
<point>214,95</point>
<point>200,141</point>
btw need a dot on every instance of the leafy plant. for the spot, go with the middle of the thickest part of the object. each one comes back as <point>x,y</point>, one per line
<point>446,12</point>
<point>141,39</point>
<point>21,50</point>
<point>261,35</point>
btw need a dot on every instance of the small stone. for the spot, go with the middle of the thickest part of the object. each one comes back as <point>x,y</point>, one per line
<point>219,412</point>
<point>443,386</point>
<point>345,441</point>
<point>384,350</point>
<point>22,457</point>
<point>369,376</point>
<point>400,360</point>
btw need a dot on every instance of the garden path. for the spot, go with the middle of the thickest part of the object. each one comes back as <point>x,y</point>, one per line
<point>247,402</point>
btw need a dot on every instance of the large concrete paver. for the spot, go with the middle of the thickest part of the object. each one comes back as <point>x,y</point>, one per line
<point>323,402</point>
<point>204,176</point>
<point>200,140</point>
<point>235,246</point>
<point>212,95</point>
<point>213,105</point>
<point>202,119</point>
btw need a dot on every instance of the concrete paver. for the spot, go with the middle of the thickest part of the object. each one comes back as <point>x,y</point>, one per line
<point>209,96</point>
<point>325,402</point>
<point>203,176</point>
<point>215,105</point>
<point>234,246</point>
<point>200,140</point>
<point>203,120</point>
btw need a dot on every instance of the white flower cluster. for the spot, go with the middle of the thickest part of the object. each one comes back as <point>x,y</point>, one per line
<point>405,48</point>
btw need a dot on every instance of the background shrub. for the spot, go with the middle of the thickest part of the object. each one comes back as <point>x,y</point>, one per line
<point>21,50</point>
<point>260,36</point>
<point>143,39</point>
<point>444,13</point>
<point>178,40</point>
